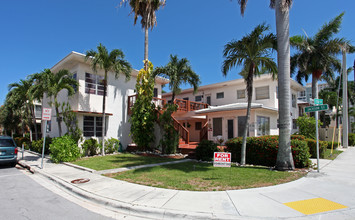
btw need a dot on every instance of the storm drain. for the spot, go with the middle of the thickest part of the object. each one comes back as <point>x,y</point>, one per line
<point>81,180</point>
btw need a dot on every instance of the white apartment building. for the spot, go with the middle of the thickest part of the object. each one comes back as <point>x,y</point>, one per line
<point>87,101</point>
<point>225,115</point>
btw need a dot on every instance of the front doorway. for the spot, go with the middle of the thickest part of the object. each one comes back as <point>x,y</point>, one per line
<point>230,128</point>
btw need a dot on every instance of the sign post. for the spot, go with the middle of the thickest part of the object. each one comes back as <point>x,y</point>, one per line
<point>317,107</point>
<point>46,116</point>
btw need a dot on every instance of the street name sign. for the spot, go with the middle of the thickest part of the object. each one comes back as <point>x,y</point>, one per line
<point>318,101</point>
<point>316,108</point>
<point>222,159</point>
<point>46,114</point>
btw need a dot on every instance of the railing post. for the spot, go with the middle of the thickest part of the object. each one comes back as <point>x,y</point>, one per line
<point>188,105</point>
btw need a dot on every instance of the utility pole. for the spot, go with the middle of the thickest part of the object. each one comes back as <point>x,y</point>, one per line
<point>345,100</point>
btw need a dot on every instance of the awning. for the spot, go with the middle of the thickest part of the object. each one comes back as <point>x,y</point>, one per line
<point>92,113</point>
<point>232,107</point>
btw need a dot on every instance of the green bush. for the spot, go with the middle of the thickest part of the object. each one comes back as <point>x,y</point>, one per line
<point>111,145</point>
<point>37,146</point>
<point>307,126</point>
<point>263,150</point>
<point>20,140</point>
<point>312,144</point>
<point>351,139</point>
<point>205,150</point>
<point>90,147</point>
<point>298,137</point>
<point>300,153</point>
<point>329,145</point>
<point>64,149</point>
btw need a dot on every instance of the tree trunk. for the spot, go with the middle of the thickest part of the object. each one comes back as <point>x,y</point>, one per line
<point>104,115</point>
<point>59,121</point>
<point>284,159</point>
<point>246,128</point>
<point>314,87</point>
<point>146,48</point>
<point>34,121</point>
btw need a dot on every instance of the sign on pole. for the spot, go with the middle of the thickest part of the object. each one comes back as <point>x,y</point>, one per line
<point>316,108</point>
<point>46,116</point>
<point>318,101</point>
<point>222,159</point>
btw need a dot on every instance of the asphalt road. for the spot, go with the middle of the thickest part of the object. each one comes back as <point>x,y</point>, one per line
<point>23,198</point>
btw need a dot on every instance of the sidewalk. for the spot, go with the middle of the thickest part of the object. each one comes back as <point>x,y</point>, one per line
<point>334,185</point>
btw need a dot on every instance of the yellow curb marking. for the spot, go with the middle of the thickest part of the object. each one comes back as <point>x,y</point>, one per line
<point>313,206</point>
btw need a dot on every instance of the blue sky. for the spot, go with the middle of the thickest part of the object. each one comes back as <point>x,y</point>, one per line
<point>37,34</point>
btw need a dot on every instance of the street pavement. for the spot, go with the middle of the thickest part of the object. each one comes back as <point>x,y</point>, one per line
<point>328,194</point>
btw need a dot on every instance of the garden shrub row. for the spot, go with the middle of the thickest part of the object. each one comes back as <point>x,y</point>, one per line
<point>263,150</point>
<point>92,147</point>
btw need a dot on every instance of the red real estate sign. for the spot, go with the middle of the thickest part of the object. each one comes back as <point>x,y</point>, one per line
<point>222,159</point>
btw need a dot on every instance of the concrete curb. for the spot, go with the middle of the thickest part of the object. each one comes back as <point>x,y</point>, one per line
<point>79,167</point>
<point>26,166</point>
<point>133,209</point>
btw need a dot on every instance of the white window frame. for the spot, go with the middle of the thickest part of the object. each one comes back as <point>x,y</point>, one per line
<point>96,84</point>
<point>219,95</point>
<point>263,128</point>
<point>241,94</point>
<point>96,127</point>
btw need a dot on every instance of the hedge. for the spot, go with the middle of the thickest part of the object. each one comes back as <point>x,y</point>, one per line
<point>351,139</point>
<point>312,144</point>
<point>37,146</point>
<point>263,150</point>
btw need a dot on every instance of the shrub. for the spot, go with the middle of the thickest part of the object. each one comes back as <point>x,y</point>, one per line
<point>298,137</point>
<point>329,145</point>
<point>307,126</point>
<point>90,147</point>
<point>64,149</point>
<point>300,153</point>
<point>263,150</point>
<point>351,139</point>
<point>37,146</point>
<point>20,140</point>
<point>111,145</point>
<point>312,144</point>
<point>205,150</point>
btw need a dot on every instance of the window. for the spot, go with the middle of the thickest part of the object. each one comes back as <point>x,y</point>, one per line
<point>93,126</point>
<point>49,126</point>
<point>220,95</point>
<point>186,98</point>
<point>38,111</point>
<point>217,126</point>
<point>75,75</point>
<point>94,84</point>
<point>241,94</point>
<point>198,98</point>
<point>155,94</point>
<point>198,126</point>
<point>262,92</point>
<point>263,125</point>
<point>294,101</point>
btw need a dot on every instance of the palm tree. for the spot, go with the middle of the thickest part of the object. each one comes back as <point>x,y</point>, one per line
<point>178,71</point>
<point>145,9</point>
<point>20,94</point>
<point>51,84</point>
<point>253,53</point>
<point>113,61</point>
<point>284,159</point>
<point>318,55</point>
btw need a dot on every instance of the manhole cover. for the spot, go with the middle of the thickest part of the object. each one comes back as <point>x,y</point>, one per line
<point>81,180</point>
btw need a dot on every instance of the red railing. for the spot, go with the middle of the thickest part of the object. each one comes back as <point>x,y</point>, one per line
<point>186,105</point>
<point>157,102</point>
<point>203,132</point>
<point>183,132</point>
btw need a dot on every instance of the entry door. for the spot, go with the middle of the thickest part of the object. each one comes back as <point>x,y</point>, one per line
<point>241,125</point>
<point>208,100</point>
<point>230,128</point>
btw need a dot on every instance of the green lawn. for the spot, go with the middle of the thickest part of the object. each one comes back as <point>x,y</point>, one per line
<point>329,156</point>
<point>118,161</point>
<point>196,176</point>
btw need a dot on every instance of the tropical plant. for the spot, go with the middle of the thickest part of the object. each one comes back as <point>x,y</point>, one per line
<point>90,147</point>
<point>318,55</point>
<point>307,126</point>
<point>284,155</point>
<point>170,137</point>
<point>64,149</point>
<point>113,61</point>
<point>253,52</point>
<point>143,111</point>
<point>71,122</point>
<point>178,71</point>
<point>53,83</point>
<point>146,10</point>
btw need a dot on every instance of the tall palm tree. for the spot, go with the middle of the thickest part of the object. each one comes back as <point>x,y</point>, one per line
<point>317,55</point>
<point>20,93</point>
<point>253,53</point>
<point>178,71</point>
<point>53,83</point>
<point>284,159</point>
<point>146,10</point>
<point>113,61</point>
